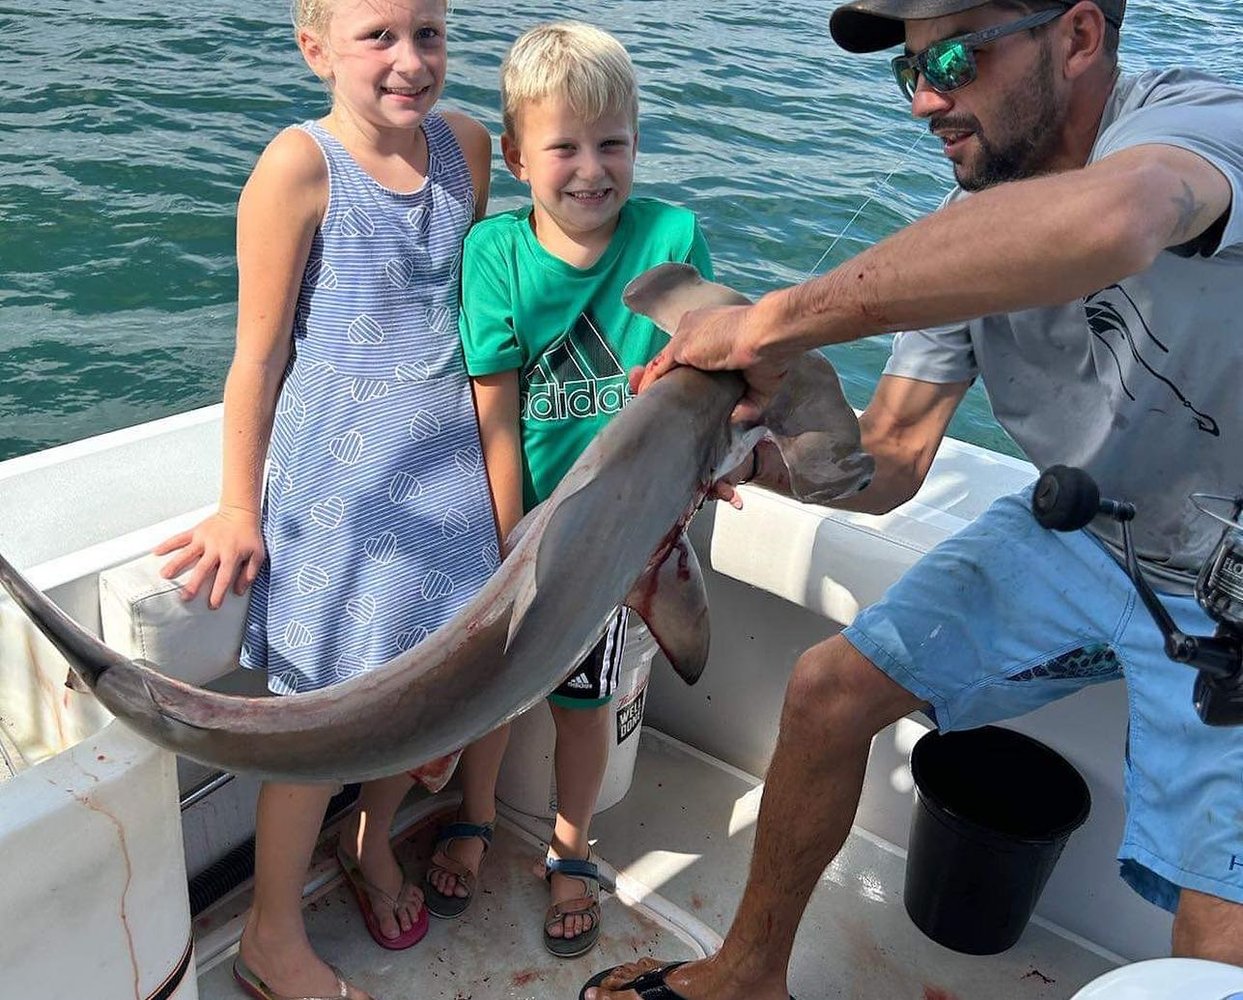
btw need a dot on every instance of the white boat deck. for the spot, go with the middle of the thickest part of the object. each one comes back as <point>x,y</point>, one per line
<point>684,831</point>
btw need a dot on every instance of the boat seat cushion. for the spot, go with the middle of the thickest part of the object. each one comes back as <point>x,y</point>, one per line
<point>835,562</point>
<point>144,617</point>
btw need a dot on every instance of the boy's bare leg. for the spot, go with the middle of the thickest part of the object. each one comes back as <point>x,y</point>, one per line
<point>367,836</point>
<point>579,762</point>
<point>1208,927</point>
<point>274,942</point>
<point>478,768</point>
<point>835,703</point>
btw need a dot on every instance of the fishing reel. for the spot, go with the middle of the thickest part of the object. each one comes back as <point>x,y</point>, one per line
<point>1067,499</point>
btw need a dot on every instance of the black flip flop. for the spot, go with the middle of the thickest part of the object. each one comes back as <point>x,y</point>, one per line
<point>649,986</point>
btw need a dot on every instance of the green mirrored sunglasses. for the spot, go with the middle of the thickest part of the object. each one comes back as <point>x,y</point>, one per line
<point>950,64</point>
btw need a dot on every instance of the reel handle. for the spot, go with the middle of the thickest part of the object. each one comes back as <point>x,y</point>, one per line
<point>1067,499</point>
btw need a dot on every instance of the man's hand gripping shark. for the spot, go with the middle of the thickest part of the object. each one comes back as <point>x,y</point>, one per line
<point>611,533</point>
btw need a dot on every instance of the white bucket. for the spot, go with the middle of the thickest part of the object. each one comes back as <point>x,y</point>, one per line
<point>527,782</point>
<point>1162,978</point>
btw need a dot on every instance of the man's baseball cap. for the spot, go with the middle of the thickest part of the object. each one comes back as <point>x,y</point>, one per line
<point>872,25</point>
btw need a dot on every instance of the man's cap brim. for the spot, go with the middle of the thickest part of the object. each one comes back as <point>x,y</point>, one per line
<point>872,25</point>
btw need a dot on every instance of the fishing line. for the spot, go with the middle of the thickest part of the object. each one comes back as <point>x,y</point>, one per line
<point>870,198</point>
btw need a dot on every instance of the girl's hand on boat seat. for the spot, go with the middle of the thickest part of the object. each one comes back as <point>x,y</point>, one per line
<point>226,551</point>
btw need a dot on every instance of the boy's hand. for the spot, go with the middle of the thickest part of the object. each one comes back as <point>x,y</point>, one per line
<point>226,547</point>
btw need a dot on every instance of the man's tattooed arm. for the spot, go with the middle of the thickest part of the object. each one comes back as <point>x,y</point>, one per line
<point>1194,232</point>
<point>1188,224</point>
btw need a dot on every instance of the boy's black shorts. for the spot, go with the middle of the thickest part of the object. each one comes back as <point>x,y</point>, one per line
<point>596,678</point>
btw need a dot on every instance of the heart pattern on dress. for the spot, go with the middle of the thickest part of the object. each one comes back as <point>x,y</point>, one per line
<point>365,329</point>
<point>454,524</point>
<point>362,608</point>
<point>382,547</point>
<point>356,222</point>
<point>348,665</point>
<point>328,513</point>
<point>413,371</point>
<point>347,448</point>
<point>436,585</point>
<point>297,635</point>
<point>291,408</point>
<point>424,426</point>
<point>320,274</point>
<point>400,271</point>
<point>363,390</point>
<point>468,459</point>
<point>403,487</point>
<point>284,682</point>
<point>311,578</point>
<point>408,638</point>
<point>440,319</point>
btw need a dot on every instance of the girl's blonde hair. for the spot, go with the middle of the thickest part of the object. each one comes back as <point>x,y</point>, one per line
<point>584,66</point>
<point>314,15</point>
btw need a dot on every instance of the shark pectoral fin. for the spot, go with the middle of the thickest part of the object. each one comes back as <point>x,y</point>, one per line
<point>668,291</point>
<point>522,527</point>
<point>670,599</point>
<point>817,433</point>
<point>75,683</point>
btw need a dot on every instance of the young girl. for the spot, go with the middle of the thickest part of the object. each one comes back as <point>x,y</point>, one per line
<point>376,524</point>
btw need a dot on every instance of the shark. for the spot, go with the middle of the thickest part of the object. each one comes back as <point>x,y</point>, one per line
<point>613,532</point>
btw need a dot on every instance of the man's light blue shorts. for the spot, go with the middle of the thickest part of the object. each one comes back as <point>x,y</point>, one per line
<point>1005,617</point>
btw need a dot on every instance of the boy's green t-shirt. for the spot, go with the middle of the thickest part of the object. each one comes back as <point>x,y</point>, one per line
<point>565,328</point>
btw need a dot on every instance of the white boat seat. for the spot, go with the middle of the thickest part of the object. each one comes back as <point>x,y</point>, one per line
<point>144,617</point>
<point>834,562</point>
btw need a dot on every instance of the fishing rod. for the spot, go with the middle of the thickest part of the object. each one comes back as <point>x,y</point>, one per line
<point>875,192</point>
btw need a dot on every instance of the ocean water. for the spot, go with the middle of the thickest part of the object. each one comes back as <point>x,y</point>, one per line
<point>128,128</point>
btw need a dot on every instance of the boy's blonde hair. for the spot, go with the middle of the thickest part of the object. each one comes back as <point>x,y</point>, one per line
<point>584,66</point>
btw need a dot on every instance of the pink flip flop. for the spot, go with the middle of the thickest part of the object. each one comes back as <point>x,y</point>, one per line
<point>364,891</point>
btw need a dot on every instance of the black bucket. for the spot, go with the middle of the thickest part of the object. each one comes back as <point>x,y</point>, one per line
<point>993,810</point>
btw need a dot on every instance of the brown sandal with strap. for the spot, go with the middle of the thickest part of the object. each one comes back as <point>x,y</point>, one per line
<point>451,905</point>
<point>586,905</point>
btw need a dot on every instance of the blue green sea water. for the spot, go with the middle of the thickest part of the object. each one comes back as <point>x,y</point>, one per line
<point>128,127</point>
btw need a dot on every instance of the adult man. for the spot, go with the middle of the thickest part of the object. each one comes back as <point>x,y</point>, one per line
<point>1102,243</point>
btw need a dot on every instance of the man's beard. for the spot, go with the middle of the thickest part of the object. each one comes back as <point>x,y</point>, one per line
<point>1028,135</point>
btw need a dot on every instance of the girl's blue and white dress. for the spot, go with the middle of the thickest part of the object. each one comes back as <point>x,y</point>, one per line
<point>377,515</point>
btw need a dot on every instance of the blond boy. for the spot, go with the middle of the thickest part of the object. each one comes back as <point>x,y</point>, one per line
<point>548,344</point>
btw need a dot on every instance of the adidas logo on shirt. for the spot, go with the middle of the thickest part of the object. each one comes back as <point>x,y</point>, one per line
<point>577,377</point>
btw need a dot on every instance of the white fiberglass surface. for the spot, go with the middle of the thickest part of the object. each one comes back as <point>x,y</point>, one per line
<point>683,832</point>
